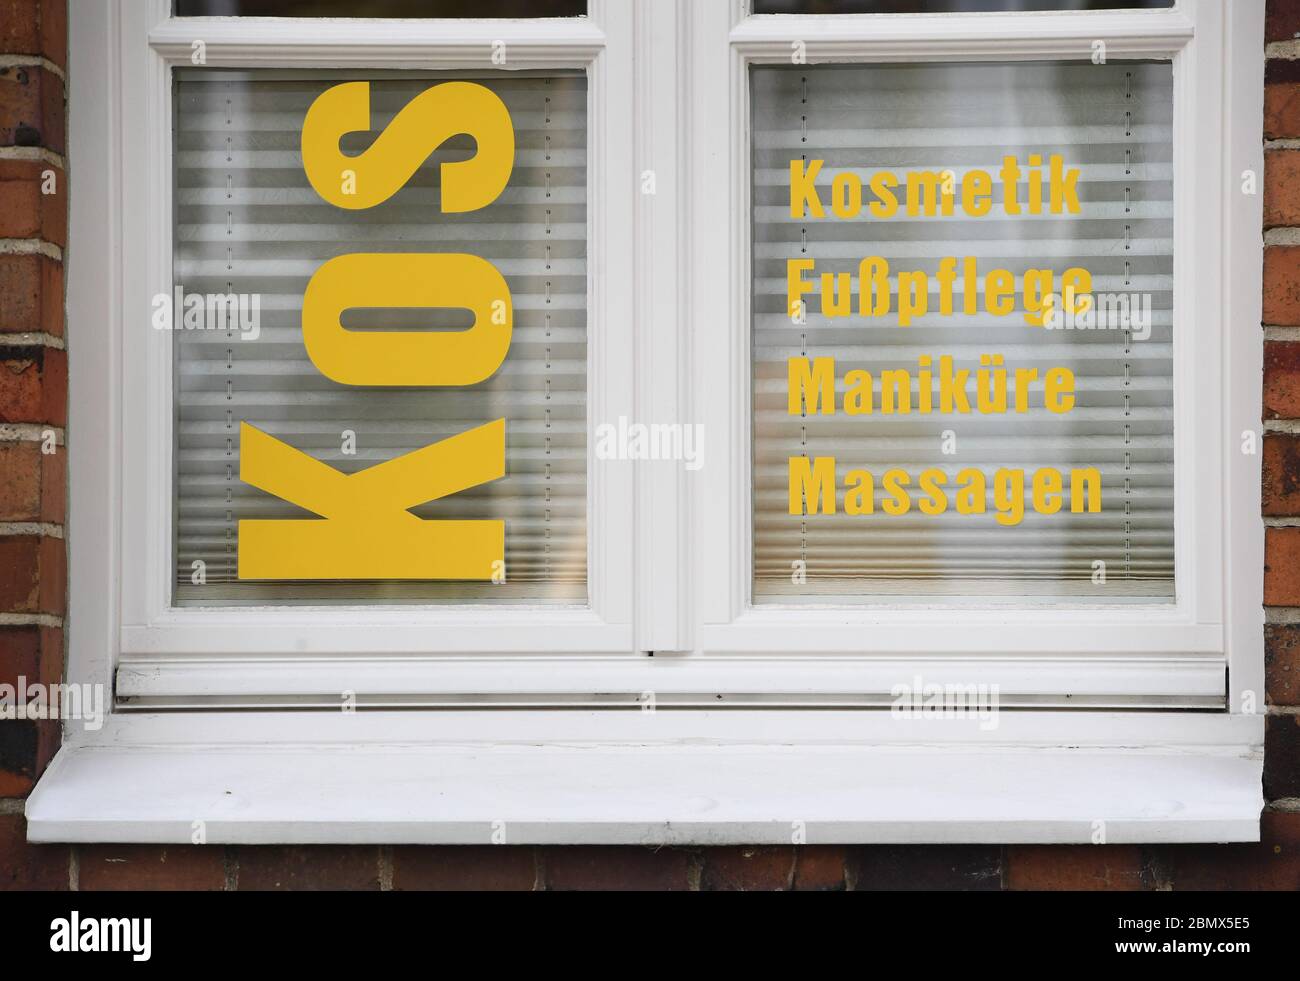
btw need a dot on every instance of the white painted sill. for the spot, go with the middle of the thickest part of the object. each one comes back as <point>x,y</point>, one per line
<point>665,778</point>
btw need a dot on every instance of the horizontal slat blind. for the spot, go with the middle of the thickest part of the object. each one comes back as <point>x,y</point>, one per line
<point>248,221</point>
<point>1114,123</point>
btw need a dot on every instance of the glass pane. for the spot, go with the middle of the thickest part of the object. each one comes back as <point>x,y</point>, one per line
<point>953,199</point>
<point>943,6</point>
<point>251,226</point>
<point>381,8</point>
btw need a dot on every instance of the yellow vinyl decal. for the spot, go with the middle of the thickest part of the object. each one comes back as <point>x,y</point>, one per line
<point>424,124</point>
<point>407,357</point>
<point>365,530</point>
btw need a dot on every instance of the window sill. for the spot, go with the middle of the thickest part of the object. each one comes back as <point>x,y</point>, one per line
<point>841,778</point>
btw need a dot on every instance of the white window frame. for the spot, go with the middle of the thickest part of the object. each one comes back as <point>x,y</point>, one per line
<point>1117,650</point>
<point>147,624</point>
<point>743,773</point>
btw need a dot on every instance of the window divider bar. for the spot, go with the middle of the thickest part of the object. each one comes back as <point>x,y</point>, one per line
<point>661,311</point>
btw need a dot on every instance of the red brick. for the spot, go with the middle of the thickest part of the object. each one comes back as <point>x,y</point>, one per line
<point>34,385</point>
<point>482,868</point>
<point>34,653</point>
<point>819,868</point>
<point>617,868</point>
<point>1281,756</point>
<point>1281,380</point>
<point>20,755</point>
<point>1282,285</point>
<point>33,576</point>
<point>1273,864</point>
<point>1281,188</point>
<point>1282,566</point>
<point>20,654</point>
<point>1282,20</point>
<point>54,486</point>
<point>32,483</point>
<point>119,868</point>
<point>1281,472</point>
<point>315,867</point>
<point>27,867</point>
<point>1282,663</point>
<point>32,108</point>
<point>31,294</point>
<point>27,212</point>
<point>35,27</point>
<point>1112,868</point>
<point>20,481</point>
<point>926,867</point>
<point>1282,99</point>
<point>748,869</point>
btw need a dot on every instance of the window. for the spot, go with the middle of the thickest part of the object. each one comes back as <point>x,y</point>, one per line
<point>658,666</point>
<point>840,507</point>
<point>250,225</point>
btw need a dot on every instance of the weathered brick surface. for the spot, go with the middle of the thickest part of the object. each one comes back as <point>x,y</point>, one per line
<point>1109,868</point>
<point>32,574</point>
<point>1272,864</point>
<point>32,483</point>
<point>1282,567</point>
<point>819,868</point>
<point>617,869</point>
<point>33,385</point>
<point>24,866</point>
<point>1282,99</point>
<point>32,108</point>
<point>919,867</point>
<point>151,867</point>
<point>1282,663</point>
<point>19,754</point>
<point>486,868</point>
<point>31,652</point>
<point>35,27</point>
<point>336,867</point>
<point>1281,188</point>
<point>1282,285</point>
<point>31,294</point>
<point>1282,20</point>
<point>26,210</point>
<point>1281,380</point>
<point>1281,466</point>
<point>756,869</point>
<point>1281,757</point>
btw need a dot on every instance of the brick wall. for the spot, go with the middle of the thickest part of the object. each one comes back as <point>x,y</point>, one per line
<point>33,397</point>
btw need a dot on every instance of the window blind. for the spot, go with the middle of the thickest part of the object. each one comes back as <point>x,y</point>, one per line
<point>1112,121</point>
<point>248,222</point>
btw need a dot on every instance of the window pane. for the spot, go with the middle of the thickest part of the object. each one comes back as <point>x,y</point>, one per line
<point>381,8</point>
<point>1113,123</point>
<point>251,224</point>
<point>942,6</point>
